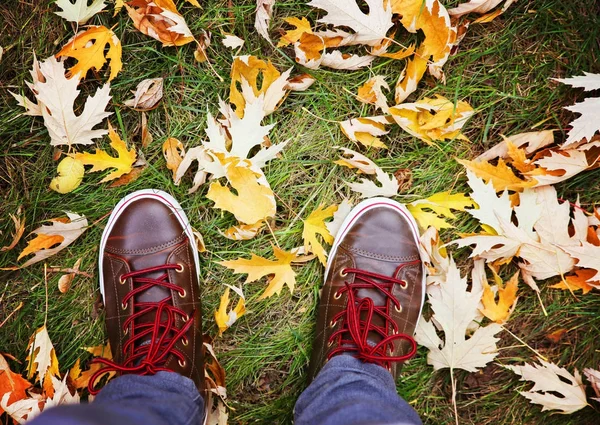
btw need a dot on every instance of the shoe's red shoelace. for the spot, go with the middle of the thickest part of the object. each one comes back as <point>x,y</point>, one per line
<point>162,334</point>
<point>358,320</point>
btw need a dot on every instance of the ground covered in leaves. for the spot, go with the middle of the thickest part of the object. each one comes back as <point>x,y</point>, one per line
<point>503,69</point>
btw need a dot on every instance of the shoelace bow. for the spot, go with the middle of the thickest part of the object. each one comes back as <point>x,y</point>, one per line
<point>149,358</point>
<point>358,328</point>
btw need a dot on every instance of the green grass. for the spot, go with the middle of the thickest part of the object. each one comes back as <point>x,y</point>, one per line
<point>502,69</point>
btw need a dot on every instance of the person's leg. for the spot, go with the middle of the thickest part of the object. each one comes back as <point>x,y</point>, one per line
<point>166,398</point>
<point>148,271</point>
<point>350,392</point>
<point>370,304</point>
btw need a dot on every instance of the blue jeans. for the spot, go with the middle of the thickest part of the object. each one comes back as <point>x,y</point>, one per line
<point>346,391</point>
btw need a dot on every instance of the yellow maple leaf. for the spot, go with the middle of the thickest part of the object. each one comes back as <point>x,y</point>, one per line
<point>225,319</point>
<point>578,281</point>
<point>302,26</point>
<point>257,267</point>
<point>253,70</point>
<point>518,157</point>
<point>507,296</point>
<point>173,152</point>
<point>70,173</point>
<point>100,160</point>
<point>315,225</point>
<point>82,379</point>
<point>254,201</point>
<point>501,175</point>
<point>441,204</point>
<point>41,359</point>
<point>432,119</point>
<point>88,47</point>
<point>243,232</point>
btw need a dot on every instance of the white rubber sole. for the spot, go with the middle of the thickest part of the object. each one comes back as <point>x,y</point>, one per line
<point>159,195</point>
<point>361,209</point>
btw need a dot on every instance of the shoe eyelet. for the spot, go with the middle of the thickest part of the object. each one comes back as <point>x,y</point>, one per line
<point>342,273</point>
<point>398,308</point>
<point>181,268</point>
<point>121,280</point>
<point>182,295</point>
<point>182,363</point>
<point>124,306</point>
<point>404,285</point>
<point>332,323</point>
<point>329,344</point>
<point>126,331</point>
<point>185,341</point>
<point>337,296</point>
<point>185,318</point>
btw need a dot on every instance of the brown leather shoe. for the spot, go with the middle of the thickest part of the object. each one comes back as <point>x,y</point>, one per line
<point>374,288</point>
<point>149,284</point>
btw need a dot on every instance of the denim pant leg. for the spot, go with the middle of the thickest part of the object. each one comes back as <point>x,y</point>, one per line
<point>349,392</point>
<point>166,398</point>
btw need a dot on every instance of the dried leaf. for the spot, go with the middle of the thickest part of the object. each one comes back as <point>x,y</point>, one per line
<point>42,357</point>
<point>589,122</point>
<point>233,42</point>
<point>264,11</point>
<point>299,83</point>
<point>88,46</point>
<point>243,232</point>
<point>578,281</point>
<point>500,175</point>
<point>79,11</point>
<point>366,130</point>
<point>292,36</point>
<point>339,216</point>
<point>549,379</point>
<point>533,140</point>
<point>66,280</point>
<point>173,151</point>
<point>356,160</point>
<point>257,267</point>
<point>594,377</point>
<point>147,95</point>
<point>225,319</point>
<point>367,189</point>
<point>371,92</point>
<point>59,232</point>
<point>100,160</point>
<point>12,383</point>
<point>499,312</point>
<point>441,204</point>
<point>70,174</point>
<point>160,20</point>
<point>19,229</point>
<point>315,225</point>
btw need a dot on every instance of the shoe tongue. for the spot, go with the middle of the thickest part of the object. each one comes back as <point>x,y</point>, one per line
<point>154,294</point>
<point>379,298</point>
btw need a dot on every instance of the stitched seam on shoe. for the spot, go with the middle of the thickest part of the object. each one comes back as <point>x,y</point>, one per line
<point>120,347</point>
<point>379,256</point>
<point>152,250</point>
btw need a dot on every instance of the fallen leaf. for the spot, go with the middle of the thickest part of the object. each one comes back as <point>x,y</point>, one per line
<point>147,95</point>
<point>433,119</point>
<point>434,256</point>
<point>353,159</point>
<point>102,350</point>
<point>555,388</point>
<point>225,319</point>
<point>367,189</point>
<point>199,239</point>
<point>594,377</point>
<point>254,200</point>
<point>88,46</point>
<point>202,44</point>
<point>257,267</point>
<point>299,83</point>
<point>578,281</point>
<point>233,42</point>
<point>57,94</point>
<point>42,357</point>
<point>531,141</point>
<point>100,160</point>
<point>500,175</point>
<point>66,280</point>
<point>19,222</point>
<point>70,174</point>
<point>243,232</point>
<point>264,11</point>
<point>173,151</point>
<point>22,410</point>
<point>371,92</point>
<point>206,164</point>
<point>588,256</point>
<point>160,20</point>
<point>315,225</point>
<point>12,383</point>
<point>366,130</point>
<point>292,36</point>
<point>441,204</point>
<point>370,28</point>
<point>79,11</point>
<point>474,6</point>
<point>556,336</point>
<point>587,81</point>
<point>339,216</point>
<point>59,232</point>
<point>410,76</point>
<point>499,312</point>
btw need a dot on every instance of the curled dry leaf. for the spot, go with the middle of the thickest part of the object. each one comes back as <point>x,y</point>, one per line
<point>65,281</point>
<point>433,119</point>
<point>555,388</point>
<point>581,280</point>
<point>88,46</point>
<point>353,159</point>
<point>243,232</point>
<point>41,358</point>
<point>70,174</point>
<point>173,151</point>
<point>80,378</point>
<point>367,189</point>
<point>147,95</point>
<point>366,130</point>
<point>12,383</point>
<point>594,377</point>
<point>225,319</point>
<point>300,82</point>
<point>233,42</point>
<point>506,294</point>
<point>257,267</point>
<point>62,232</point>
<point>264,11</point>
<point>315,225</point>
<point>292,36</point>
<point>79,12</point>
<point>371,92</point>
<point>19,220</point>
<point>100,160</point>
<point>199,239</point>
<point>343,209</point>
<point>530,141</point>
<point>160,20</point>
